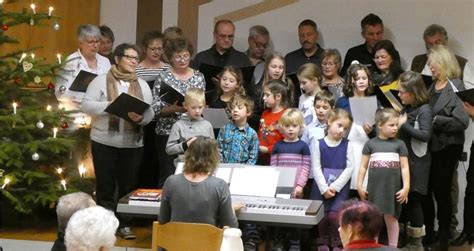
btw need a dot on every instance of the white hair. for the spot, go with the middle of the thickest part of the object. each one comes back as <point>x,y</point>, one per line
<point>69,204</point>
<point>87,31</point>
<point>91,229</point>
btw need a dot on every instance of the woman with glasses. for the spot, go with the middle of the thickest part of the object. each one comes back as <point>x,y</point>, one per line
<point>148,69</point>
<point>86,58</point>
<point>152,46</point>
<point>117,144</point>
<point>179,77</point>
<point>331,64</point>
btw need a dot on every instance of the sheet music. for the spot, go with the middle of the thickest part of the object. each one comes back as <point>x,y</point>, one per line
<point>216,116</point>
<point>223,171</point>
<point>363,109</point>
<point>254,182</point>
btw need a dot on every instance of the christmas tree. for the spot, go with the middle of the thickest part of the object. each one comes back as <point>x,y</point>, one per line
<point>36,164</point>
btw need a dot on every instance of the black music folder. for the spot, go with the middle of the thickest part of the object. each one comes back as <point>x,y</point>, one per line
<point>388,99</point>
<point>212,71</point>
<point>82,80</point>
<point>170,95</point>
<point>428,80</point>
<point>466,96</point>
<point>124,104</point>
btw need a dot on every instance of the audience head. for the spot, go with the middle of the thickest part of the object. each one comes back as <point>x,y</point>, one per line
<point>443,63</point>
<point>308,35</point>
<point>91,229</point>
<point>172,32</point>
<point>359,220</point>
<point>194,103</point>
<point>331,63</point>
<point>435,34</point>
<point>88,36</point>
<point>107,40</point>
<point>310,77</point>
<point>386,58</point>
<point>324,102</point>
<point>231,81</point>
<point>202,156</point>
<point>69,204</point>
<point>240,102</point>
<point>291,123</point>
<point>372,30</point>
<point>152,46</point>
<point>358,81</point>
<point>179,52</point>
<point>259,40</point>
<point>126,57</point>
<point>412,89</point>
<point>224,35</point>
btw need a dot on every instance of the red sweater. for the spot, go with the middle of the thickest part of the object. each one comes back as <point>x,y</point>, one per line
<point>268,133</point>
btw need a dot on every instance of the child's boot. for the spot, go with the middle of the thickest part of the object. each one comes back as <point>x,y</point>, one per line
<point>415,236</point>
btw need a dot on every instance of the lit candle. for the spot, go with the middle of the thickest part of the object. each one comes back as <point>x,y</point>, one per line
<point>32,56</point>
<point>23,56</point>
<point>49,108</point>
<point>14,104</point>
<point>63,183</point>
<point>60,107</point>
<point>82,170</point>
<point>59,58</point>
<point>55,132</point>
<point>59,170</point>
<point>51,8</point>
<point>6,181</point>
<point>1,1</point>
<point>33,6</point>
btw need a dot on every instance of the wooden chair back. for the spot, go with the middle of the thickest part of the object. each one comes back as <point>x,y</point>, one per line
<point>178,236</point>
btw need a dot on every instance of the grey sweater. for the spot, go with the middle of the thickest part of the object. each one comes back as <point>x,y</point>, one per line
<point>183,130</point>
<point>207,202</point>
<point>94,104</point>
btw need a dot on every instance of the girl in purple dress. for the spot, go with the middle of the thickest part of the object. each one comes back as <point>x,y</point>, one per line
<point>333,162</point>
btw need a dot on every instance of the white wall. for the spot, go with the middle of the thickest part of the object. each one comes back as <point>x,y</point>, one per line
<point>339,23</point>
<point>121,17</point>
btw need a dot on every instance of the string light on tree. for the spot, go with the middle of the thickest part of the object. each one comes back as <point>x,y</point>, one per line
<point>50,11</point>
<point>6,181</point>
<point>55,132</point>
<point>59,170</point>
<point>32,56</point>
<point>23,56</point>
<point>49,108</point>
<point>33,7</point>
<point>59,58</point>
<point>82,170</point>
<point>14,104</point>
<point>35,156</point>
<point>63,183</point>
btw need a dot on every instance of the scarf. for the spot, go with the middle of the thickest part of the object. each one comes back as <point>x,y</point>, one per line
<point>134,89</point>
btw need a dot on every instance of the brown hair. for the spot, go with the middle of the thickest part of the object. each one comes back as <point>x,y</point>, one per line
<point>237,74</point>
<point>178,45</point>
<point>364,217</point>
<point>239,99</point>
<point>382,115</point>
<point>348,88</point>
<point>325,96</point>
<point>202,156</point>
<point>413,83</point>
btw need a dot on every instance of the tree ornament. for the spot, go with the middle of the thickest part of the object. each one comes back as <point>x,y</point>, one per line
<point>35,156</point>
<point>37,79</point>
<point>65,125</point>
<point>51,86</point>
<point>27,66</point>
<point>40,124</point>
<point>17,80</point>
<point>56,25</point>
<point>62,89</point>
<point>4,27</point>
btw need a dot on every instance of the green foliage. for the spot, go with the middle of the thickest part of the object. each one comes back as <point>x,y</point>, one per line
<point>33,183</point>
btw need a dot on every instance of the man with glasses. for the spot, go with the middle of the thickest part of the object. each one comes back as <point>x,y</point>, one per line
<point>259,41</point>
<point>372,32</point>
<point>310,51</point>
<point>222,53</point>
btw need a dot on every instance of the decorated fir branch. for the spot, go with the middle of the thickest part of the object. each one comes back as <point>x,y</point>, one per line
<point>35,140</point>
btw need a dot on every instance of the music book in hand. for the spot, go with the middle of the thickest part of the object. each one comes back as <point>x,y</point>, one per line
<point>388,99</point>
<point>170,95</point>
<point>124,104</point>
<point>466,96</point>
<point>82,81</point>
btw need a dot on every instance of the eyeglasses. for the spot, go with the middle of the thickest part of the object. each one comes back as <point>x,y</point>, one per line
<point>179,58</point>
<point>224,36</point>
<point>156,49</point>
<point>92,41</point>
<point>131,58</point>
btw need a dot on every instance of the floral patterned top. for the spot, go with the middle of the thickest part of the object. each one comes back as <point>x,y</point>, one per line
<point>164,123</point>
